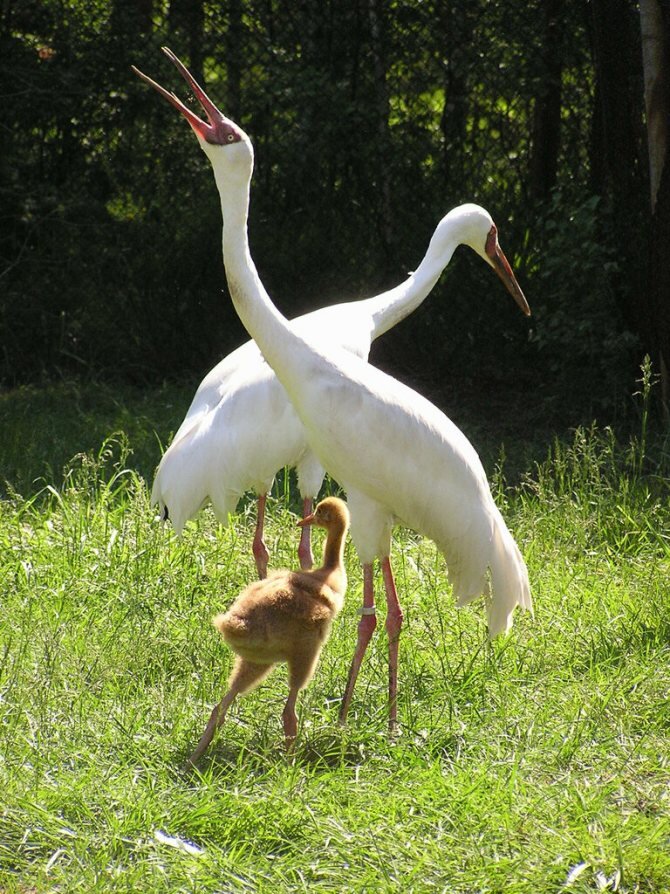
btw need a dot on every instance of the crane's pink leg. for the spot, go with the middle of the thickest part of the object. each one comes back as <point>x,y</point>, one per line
<point>394,618</point>
<point>305,545</point>
<point>366,627</point>
<point>258,547</point>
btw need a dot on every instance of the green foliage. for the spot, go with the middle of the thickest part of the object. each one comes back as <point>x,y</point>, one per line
<point>616,490</point>
<point>532,764</point>
<point>44,427</point>
<point>578,330</point>
<point>369,122</point>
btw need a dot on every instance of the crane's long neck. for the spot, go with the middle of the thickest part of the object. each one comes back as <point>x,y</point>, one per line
<point>393,306</point>
<point>260,317</point>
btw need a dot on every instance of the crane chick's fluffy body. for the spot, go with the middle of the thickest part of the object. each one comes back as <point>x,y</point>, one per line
<point>397,456</point>
<point>285,618</point>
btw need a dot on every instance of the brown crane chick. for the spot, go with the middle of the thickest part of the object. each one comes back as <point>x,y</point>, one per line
<point>285,617</point>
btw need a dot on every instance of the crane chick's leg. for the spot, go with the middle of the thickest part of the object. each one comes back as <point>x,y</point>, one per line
<point>245,676</point>
<point>216,718</point>
<point>305,545</point>
<point>259,548</point>
<point>300,671</point>
<point>290,718</point>
<point>394,619</point>
<point>366,627</point>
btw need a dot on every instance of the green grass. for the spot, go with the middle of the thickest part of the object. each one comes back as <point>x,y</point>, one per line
<point>540,763</point>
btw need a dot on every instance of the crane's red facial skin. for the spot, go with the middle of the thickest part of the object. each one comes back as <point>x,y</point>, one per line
<point>217,130</point>
<point>502,268</point>
<point>492,241</point>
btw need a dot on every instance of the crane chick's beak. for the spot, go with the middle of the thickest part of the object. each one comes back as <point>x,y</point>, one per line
<point>218,129</point>
<point>501,265</point>
<point>307,520</point>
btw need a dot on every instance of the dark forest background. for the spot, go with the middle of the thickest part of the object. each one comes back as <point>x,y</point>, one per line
<point>370,120</point>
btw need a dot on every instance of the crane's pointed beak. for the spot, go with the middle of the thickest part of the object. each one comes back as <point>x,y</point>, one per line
<point>218,129</point>
<point>307,520</point>
<point>501,265</point>
<point>200,127</point>
<point>502,268</point>
<point>213,114</point>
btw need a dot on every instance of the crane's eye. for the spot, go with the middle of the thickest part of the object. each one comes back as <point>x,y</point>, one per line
<point>230,137</point>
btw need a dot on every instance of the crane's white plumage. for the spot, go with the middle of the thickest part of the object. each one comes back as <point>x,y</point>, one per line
<point>217,455</point>
<point>397,456</point>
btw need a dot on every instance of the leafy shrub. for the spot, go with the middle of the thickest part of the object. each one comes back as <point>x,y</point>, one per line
<point>578,330</point>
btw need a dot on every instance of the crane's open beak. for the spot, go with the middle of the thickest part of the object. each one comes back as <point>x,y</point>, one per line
<point>501,265</point>
<point>218,129</point>
<point>307,520</point>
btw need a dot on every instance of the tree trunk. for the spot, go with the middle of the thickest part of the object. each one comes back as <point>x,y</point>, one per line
<point>547,109</point>
<point>619,92</point>
<point>234,44</point>
<point>655,28</point>
<point>456,29</point>
<point>655,63</point>
<point>187,17</point>
<point>131,17</point>
<point>387,230</point>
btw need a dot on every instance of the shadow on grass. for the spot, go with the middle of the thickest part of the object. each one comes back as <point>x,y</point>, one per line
<point>320,753</point>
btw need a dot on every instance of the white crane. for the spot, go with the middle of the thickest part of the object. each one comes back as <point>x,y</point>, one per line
<point>397,456</point>
<point>217,454</point>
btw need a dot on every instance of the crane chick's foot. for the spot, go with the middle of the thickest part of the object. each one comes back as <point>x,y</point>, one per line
<point>216,719</point>
<point>290,719</point>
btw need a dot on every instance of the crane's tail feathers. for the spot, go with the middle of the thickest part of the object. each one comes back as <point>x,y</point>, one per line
<point>163,511</point>
<point>181,484</point>
<point>495,569</point>
<point>155,499</point>
<point>509,582</point>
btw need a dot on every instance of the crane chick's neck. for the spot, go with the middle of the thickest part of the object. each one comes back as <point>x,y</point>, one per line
<point>333,551</point>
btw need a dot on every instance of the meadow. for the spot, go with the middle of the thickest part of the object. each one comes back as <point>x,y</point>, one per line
<point>536,763</point>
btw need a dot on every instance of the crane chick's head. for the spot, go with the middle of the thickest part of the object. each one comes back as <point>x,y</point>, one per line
<point>474,226</point>
<point>329,513</point>
<point>217,132</point>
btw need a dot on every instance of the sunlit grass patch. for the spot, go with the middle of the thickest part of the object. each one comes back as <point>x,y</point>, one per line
<point>535,763</point>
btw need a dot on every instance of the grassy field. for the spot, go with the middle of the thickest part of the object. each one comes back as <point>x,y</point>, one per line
<point>539,763</point>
